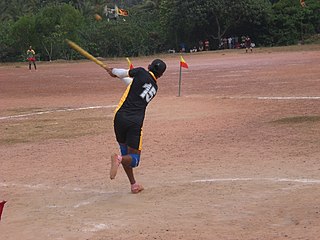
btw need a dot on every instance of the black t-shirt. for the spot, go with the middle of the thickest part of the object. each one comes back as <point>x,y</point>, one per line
<point>138,94</point>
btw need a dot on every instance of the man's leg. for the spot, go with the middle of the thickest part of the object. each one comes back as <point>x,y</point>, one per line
<point>128,161</point>
<point>117,159</point>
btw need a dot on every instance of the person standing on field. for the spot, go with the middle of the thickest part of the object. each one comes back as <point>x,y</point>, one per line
<point>248,44</point>
<point>129,116</point>
<point>31,57</point>
<point>206,45</point>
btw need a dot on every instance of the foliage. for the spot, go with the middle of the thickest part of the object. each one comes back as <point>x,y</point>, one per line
<point>191,21</point>
<point>6,42</point>
<point>55,23</point>
<point>292,23</point>
<point>23,34</point>
<point>152,26</point>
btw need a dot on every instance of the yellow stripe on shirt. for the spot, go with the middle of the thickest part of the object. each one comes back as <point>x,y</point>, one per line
<point>123,98</point>
<point>140,142</point>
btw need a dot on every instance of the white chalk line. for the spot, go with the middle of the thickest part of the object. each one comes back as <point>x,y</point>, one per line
<point>78,189</point>
<point>212,180</point>
<point>82,204</point>
<point>55,111</point>
<point>112,106</point>
<point>298,180</point>
<point>47,187</point>
<point>288,98</point>
<point>273,98</point>
<point>96,227</point>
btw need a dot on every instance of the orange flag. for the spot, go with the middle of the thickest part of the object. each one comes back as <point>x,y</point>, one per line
<point>1,207</point>
<point>183,63</point>
<point>123,12</point>
<point>130,64</point>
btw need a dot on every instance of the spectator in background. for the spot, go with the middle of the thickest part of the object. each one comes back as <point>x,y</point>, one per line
<point>221,44</point>
<point>237,44</point>
<point>248,44</point>
<point>243,42</point>
<point>31,57</point>
<point>200,45</point>
<point>193,50</point>
<point>182,47</point>
<point>230,42</point>
<point>206,45</point>
<point>225,43</point>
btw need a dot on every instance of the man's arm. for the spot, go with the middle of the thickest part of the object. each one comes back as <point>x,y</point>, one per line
<point>120,73</point>
<point>123,74</point>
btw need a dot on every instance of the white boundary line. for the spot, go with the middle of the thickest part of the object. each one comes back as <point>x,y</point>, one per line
<point>48,187</point>
<point>273,98</point>
<point>54,111</point>
<point>288,98</point>
<point>298,180</point>
<point>77,189</point>
<point>112,106</point>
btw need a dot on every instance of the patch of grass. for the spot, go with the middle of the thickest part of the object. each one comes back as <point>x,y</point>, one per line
<point>292,48</point>
<point>297,119</point>
<point>55,126</point>
<point>10,141</point>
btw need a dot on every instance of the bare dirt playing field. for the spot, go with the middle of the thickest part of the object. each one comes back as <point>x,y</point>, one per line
<point>235,157</point>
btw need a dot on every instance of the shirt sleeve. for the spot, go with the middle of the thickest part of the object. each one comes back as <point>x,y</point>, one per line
<point>126,80</point>
<point>120,73</point>
<point>135,71</point>
<point>123,74</point>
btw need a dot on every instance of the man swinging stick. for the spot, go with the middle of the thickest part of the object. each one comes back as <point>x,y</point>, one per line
<point>130,113</point>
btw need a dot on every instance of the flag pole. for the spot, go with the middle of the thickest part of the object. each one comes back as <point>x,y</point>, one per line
<point>179,94</point>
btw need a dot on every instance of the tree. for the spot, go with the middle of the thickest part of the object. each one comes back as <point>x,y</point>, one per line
<point>152,25</point>
<point>211,18</point>
<point>292,23</point>
<point>7,52</point>
<point>176,22</point>
<point>23,34</point>
<point>54,24</point>
<point>13,9</point>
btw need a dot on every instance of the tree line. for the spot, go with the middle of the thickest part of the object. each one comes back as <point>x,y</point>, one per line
<point>153,26</point>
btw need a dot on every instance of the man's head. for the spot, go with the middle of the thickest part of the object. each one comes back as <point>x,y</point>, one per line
<point>157,67</point>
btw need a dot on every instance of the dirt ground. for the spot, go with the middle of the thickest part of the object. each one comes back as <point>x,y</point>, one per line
<point>236,156</point>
